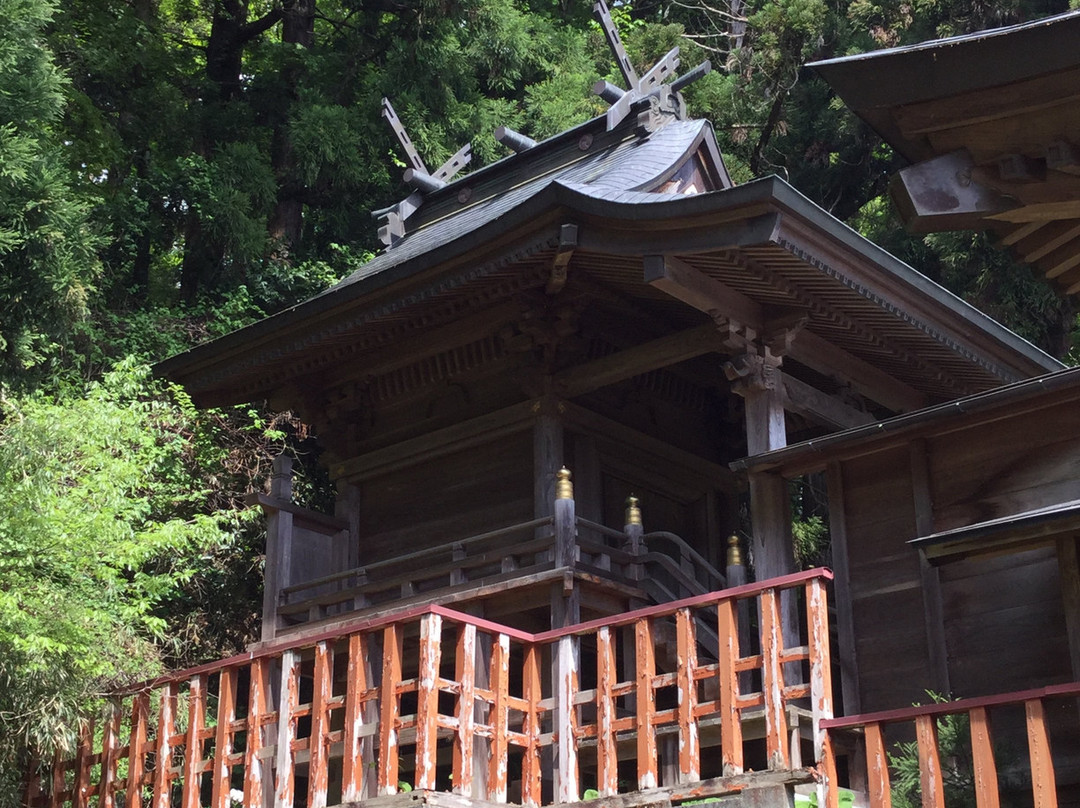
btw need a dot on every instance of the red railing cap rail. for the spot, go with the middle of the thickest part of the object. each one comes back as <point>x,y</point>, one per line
<point>951,707</point>
<point>344,629</point>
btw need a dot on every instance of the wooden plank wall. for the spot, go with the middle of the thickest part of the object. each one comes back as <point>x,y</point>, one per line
<point>450,498</point>
<point>1004,623</point>
<point>1009,466</point>
<point>886,590</point>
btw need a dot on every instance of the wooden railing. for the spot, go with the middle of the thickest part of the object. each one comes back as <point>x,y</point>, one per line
<point>1032,707</point>
<point>505,554</point>
<point>441,700</point>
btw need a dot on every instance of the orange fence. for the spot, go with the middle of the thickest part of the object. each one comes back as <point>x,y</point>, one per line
<point>435,699</point>
<point>1038,770</point>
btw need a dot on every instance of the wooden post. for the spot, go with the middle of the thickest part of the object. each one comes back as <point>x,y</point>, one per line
<point>607,758</point>
<point>80,790</point>
<point>565,521</point>
<point>279,529</point>
<point>845,619</point>
<point>547,455</point>
<point>984,771</point>
<point>727,630</point>
<point>318,748</point>
<point>254,768</point>
<point>389,710</point>
<point>286,729</point>
<point>163,747</point>
<point>646,704</point>
<point>427,702</point>
<point>933,608</point>
<point>193,743</point>
<point>110,744</point>
<point>772,681</point>
<point>689,754</point>
<point>358,755</point>
<point>530,763</point>
<point>499,719</point>
<point>465,676</point>
<point>930,779</point>
<point>879,789</point>
<point>140,711</point>
<point>565,722</point>
<point>1043,781</point>
<point>226,713</point>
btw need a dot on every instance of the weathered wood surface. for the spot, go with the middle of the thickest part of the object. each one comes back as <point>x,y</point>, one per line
<point>1036,705</point>
<point>398,714</point>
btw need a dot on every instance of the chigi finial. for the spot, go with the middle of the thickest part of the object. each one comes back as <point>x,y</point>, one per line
<point>650,85</point>
<point>416,175</point>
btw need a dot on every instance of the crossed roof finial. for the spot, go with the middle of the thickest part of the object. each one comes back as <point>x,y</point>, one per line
<point>651,84</point>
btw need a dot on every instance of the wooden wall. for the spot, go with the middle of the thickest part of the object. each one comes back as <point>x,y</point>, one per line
<point>997,620</point>
<point>885,584</point>
<point>450,498</point>
<point>1008,466</point>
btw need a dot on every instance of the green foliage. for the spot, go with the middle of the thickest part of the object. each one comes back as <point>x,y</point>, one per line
<point>47,260</point>
<point>811,539</point>
<point>99,524</point>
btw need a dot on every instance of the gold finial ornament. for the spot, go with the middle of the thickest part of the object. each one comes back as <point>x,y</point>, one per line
<point>564,489</point>
<point>633,512</point>
<point>734,551</point>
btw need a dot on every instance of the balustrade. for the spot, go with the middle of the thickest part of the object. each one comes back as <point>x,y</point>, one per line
<point>434,699</point>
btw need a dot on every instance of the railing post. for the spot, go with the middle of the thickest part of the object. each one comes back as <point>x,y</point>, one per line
<point>530,763</point>
<point>635,530</point>
<point>646,704</point>
<point>565,521</point>
<point>190,796</point>
<point>389,710</point>
<point>1043,781</point>
<point>465,676</point>
<point>427,702</point>
<point>140,710</point>
<point>499,718</point>
<point>318,745</point>
<point>565,722</point>
<point>279,529</point>
<point>607,758</point>
<point>254,767</point>
<point>288,700</point>
<point>689,753</point>
<point>358,756</point>
<point>223,738</point>
<point>109,748</point>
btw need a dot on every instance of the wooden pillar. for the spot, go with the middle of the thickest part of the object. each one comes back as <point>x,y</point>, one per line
<point>547,455</point>
<point>757,379</point>
<point>933,608</point>
<point>845,618</point>
<point>279,529</point>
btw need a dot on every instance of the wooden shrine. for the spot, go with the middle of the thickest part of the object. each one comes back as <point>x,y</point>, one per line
<point>533,589</point>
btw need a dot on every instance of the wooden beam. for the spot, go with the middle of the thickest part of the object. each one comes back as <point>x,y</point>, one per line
<point>1015,100</point>
<point>1054,235</point>
<point>820,355</point>
<point>808,401</point>
<point>641,359</point>
<point>482,429</point>
<point>693,287</point>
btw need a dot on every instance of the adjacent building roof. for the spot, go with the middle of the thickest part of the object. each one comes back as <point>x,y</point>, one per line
<point>811,455</point>
<point>992,123</point>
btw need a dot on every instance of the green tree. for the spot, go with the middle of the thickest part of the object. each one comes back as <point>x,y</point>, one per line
<point>47,250</point>
<point>99,525</point>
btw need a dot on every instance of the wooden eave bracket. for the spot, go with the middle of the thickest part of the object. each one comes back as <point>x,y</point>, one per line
<point>560,264</point>
<point>746,318</point>
<point>943,194</point>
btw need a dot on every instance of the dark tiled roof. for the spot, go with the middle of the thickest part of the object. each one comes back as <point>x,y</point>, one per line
<point>629,163</point>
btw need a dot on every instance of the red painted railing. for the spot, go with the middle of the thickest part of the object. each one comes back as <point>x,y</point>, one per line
<point>441,700</point>
<point>985,769</point>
